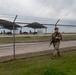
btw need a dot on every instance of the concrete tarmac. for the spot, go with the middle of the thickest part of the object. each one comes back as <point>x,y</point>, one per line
<point>20,48</point>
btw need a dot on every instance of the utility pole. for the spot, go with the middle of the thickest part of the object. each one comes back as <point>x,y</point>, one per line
<point>14,36</point>
<point>57,23</point>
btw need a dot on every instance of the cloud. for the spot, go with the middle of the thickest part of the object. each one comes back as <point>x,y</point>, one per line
<point>64,9</point>
<point>57,9</point>
<point>47,8</point>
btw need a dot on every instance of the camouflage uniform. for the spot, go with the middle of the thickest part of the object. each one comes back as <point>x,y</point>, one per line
<point>56,44</point>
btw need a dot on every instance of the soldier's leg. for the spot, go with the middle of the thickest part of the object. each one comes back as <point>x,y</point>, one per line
<point>55,51</point>
<point>58,52</point>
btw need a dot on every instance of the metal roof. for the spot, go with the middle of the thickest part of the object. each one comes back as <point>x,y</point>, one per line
<point>35,25</point>
<point>8,24</point>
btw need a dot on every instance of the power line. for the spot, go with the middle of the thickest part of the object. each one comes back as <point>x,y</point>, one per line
<point>49,24</point>
<point>6,14</point>
<point>27,17</point>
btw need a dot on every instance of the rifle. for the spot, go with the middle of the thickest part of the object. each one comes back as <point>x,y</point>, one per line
<point>53,39</point>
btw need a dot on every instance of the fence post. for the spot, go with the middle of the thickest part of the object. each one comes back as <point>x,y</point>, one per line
<point>14,36</point>
<point>56,23</point>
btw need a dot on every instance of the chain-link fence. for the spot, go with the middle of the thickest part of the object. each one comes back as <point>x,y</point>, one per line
<point>21,40</point>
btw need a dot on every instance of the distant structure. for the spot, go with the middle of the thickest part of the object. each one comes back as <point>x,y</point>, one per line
<point>38,26</point>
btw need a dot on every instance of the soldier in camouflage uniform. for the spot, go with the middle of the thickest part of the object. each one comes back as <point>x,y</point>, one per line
<point>57,35</point>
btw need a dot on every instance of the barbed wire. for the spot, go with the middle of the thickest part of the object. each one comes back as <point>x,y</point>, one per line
<point>27,17</point>
<point>30,19</point>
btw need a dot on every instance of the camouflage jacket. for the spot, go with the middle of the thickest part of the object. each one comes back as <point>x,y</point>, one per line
<point>56,35</point>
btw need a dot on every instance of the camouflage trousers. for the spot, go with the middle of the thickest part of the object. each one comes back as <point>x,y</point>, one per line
<point>56,49</point>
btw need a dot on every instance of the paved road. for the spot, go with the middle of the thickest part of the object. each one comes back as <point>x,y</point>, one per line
<point>7,49</point>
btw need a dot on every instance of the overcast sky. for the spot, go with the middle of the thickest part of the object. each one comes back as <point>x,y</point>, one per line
<point>64,9</point>
<point>57,9</point>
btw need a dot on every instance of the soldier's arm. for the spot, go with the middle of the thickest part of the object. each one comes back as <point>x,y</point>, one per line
<point>60,37</point>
